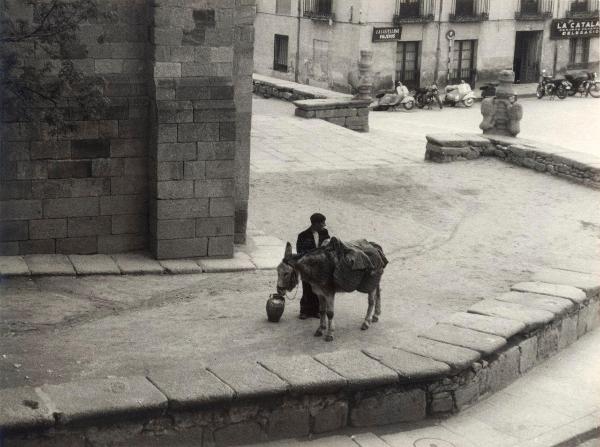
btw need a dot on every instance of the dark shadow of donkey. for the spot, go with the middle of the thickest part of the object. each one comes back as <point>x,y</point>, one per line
<point>317,267</point>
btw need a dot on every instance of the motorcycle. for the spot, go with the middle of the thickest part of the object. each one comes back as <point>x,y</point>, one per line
<point>459,93</point>
<point>584,83</point>
<point>426,96</point>
<point>401,97</point>
<point>549,86</point>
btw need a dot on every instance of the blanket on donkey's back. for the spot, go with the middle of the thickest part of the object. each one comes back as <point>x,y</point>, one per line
<point>358,264</point>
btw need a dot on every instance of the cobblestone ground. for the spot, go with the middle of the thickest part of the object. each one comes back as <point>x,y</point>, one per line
<point>454,233</point>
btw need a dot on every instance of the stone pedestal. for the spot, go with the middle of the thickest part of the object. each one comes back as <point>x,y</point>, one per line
<point>502,114</point>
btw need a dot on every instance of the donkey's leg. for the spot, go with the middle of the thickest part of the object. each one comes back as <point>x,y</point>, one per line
<point>367,322</point>
<point>322,314</point>
<point>377,304</point>
<point>330,326</point>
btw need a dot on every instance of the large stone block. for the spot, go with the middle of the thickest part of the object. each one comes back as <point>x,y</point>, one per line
<point>220,246</point>
<point>548,341</point>
<point>31,170</point>
<point>456,357</point>
<point>120,243</point>
<point>176,151</point>
<point>175,229</point>
<point>23,410</point>
<point>193,132</point>
<point>572,293</point>
<point>220,169</point>
<point>105,399</point>
<point>130,204</point>
<point>39,246</point>
<point>54,150</point>
<point>389,408</point>
<point>179,189</point>
<point>359,369</point>
<point>190,387</point>
<point>558,306</point>
<point>48,228</point>
<point>77,245</point>
<point>331,417</point>
<point>181,248</point>
<point>69,169</point>
<point>96,148</point>
<point>466,338</point>
<point>249,380</point>
<point>89,226</point>
<point>529,354</point>
<point>286,422</point>
<point>16,230</point>
<point>590,284</point>
<point>127,148</point>
<point>129,223</point>
<point>533,318</point>
<point>504,370</point>
<point>49,264</point>
<point>182,208</point>
<point>502,327</point>
<point>71,207</point>
<point>214,188</point>
<point>214,226</point>
<point>239,433</point>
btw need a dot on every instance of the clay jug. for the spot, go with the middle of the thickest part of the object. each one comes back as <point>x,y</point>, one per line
<point>275,307</point>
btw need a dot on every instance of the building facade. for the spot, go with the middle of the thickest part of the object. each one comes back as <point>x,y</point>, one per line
<point>318,42</point>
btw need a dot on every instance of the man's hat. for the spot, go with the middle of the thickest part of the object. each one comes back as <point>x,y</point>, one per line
<point>317,218</point>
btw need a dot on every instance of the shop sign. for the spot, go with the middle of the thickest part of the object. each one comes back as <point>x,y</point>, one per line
<point>387,34</point>
<point>572,28</point>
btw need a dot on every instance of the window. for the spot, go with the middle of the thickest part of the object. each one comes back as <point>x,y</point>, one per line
<point>283,7</point>
<point>580,51</point>
<point>280,53</point>
<point>318,9</point>
<point>579,6</point>
<point>464,8</point>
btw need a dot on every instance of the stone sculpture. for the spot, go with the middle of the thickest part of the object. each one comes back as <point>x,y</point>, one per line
<point>502,114</point>
<point>365,81</point>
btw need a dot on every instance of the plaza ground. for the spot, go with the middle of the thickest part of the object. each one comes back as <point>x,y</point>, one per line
<point>454,233</point>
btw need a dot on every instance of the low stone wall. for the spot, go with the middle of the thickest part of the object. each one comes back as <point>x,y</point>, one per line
<point>352,114</point>
<point>448,367</point>
<point>575,166</point>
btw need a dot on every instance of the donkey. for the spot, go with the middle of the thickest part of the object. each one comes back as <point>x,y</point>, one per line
<point>317,268</point>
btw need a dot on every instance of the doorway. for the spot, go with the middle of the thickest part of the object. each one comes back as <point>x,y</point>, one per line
<point>407,64</point>
<point>528,51</point>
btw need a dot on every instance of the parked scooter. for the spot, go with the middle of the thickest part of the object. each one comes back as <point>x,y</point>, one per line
<point>400,98</point>
<point>549,86</point>
<point>427,96</point>
<point>459,93</point>
<point>584,83</point>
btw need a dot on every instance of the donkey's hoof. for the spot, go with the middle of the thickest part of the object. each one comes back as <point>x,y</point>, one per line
<point>375,319</point>
<point>329,338</point>
<point>364,326</point>
<point>318,333</point>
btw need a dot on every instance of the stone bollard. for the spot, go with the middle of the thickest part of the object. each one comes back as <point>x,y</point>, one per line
<point>502,114</point>
<point>365,81</point>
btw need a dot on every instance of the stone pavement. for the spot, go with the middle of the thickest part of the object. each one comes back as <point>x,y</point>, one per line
<point>259,253</point>
<point>556,403</point>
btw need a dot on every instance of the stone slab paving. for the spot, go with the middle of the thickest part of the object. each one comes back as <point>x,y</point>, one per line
<point>466,338</point>
<point>104,398</point>
<point>590,266</point>
<point>52,265</point>
<point>409,366</point>
<point>94,265</point>
<point>456,357</point>
<point>22,408</point>
<point>533,318</point>
<point>180,266</point>
<point>590,284</point>
<point>503,327</point>
<point>359,369</point>
<point>558,306</point>
<point>187,386</point>
<point>137,264</point>
<point>543,288</point>
<point>13,266</point>
<point>249,379</point>
<point>304,374</point>
<point>240,262</point>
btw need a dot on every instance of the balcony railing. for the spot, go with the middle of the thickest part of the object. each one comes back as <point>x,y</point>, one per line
<point>414,11</point>
<point>470,10</point>
<point>319,9</point>
<point>583,9</point>
<point>534,10</point>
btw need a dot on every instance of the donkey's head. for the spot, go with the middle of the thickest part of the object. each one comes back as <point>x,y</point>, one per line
<point>287,278</point>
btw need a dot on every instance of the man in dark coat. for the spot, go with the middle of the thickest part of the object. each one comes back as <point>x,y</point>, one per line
<point>311,238</point>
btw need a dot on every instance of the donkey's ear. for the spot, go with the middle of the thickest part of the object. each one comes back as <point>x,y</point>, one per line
<point>288,251</point>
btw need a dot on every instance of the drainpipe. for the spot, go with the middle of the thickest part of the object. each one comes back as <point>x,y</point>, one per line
<point>296,73</point>
<point>438,50</point>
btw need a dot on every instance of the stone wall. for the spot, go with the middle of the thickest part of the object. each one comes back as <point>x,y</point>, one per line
<point>353,115</point>
<point>574,166</point>
<point>157,169</point>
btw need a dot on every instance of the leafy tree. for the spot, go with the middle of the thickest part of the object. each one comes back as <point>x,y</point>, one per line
<point>39,82</point>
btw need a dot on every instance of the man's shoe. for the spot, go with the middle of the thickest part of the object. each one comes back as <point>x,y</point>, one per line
<point>303,316</point>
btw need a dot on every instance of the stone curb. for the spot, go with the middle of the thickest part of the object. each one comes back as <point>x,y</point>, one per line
<point>454,364</point>
<point>264,253</point>
<point>578,167</point>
